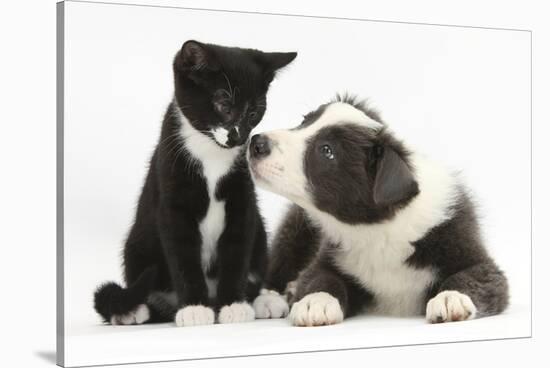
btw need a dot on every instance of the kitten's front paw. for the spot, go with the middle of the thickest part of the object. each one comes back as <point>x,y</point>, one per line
<point>136,317</point>
<point>194,315</point>
<point>448,306</point>
<point>316,309</point>
<point>236,313</point>
<point>270,304</point>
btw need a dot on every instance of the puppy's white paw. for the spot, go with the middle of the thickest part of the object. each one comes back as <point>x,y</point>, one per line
<point>290,290</point>
<point>316,309</point>
<point>194,315</point>
<point>236,313</point>
<point>135,317</point>
<point>448,306</point>
<point>270,304</point>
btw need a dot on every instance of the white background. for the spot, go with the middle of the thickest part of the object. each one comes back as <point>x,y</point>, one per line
<point>34,206</point>
<point>460,94</point>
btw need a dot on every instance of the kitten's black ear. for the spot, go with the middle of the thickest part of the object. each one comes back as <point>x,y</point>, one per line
<point>394,180</point>
<point>196,56</point>
<point>277,60</point>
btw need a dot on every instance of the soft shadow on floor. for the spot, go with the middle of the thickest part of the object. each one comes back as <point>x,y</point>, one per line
<point>48,356</point>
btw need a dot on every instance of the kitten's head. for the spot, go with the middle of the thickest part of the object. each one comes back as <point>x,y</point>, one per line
<point>222,90</point>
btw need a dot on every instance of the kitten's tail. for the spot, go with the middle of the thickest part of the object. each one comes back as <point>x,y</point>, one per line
<point>112,299</point>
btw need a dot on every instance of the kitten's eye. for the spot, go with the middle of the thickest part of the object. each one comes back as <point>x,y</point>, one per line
<point>252,114</point>
<point>327,152</point>
<point>223,107</point>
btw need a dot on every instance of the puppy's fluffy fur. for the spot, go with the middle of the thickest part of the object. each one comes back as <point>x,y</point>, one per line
<point>375,226</point>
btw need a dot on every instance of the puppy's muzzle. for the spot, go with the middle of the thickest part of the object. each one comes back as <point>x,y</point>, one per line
<point>260,146</point>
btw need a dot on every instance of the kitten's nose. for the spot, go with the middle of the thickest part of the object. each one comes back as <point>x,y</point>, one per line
<point>260,146</point>
<point>234,136</point>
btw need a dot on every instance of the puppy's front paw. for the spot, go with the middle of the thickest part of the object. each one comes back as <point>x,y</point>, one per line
<point>236,313</point>
<point>270,304</point>
<point>290,290</point>
<point>194,315</point>
<point>448,306</point>
<point>316,309</point>
<point>136,317</point>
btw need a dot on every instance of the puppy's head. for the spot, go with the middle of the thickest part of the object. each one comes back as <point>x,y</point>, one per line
<point>340,160</point>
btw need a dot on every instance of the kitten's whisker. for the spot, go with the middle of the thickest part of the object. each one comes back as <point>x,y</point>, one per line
<point>173,136</point>
<point>233,98</point>
<point>176,159</point>
<point>229,84</point>
<point>227,93</point>
<point>176,147</point>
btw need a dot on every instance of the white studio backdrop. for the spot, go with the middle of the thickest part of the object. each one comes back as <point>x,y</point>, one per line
<point>460,94</point>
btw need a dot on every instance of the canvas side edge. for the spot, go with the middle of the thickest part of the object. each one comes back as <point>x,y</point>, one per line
<point>60,112</point>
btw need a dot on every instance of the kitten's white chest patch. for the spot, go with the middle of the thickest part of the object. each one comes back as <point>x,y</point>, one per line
<point>211,226</point>
<point>216,162</point>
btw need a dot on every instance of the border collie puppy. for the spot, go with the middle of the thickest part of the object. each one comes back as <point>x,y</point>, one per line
<point>198,244</point>
<point>375,226</point>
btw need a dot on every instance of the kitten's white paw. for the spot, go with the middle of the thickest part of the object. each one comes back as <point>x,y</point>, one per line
<point>236,313</point>
<point>316,309</point>
<point>135,317</point>
<point>194,315</point>
<point>270,304</point>
<point>448,306</point>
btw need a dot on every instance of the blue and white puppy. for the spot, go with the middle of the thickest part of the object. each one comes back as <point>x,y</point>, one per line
<point>375,227</point>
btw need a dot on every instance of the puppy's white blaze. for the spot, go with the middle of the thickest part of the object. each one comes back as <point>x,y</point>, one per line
<point>220,135</point>
<point>216,162</point>
<point>341,113</point>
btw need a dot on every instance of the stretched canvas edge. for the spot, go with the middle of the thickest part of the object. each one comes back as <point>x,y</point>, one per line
<point>60,112</point>
<point>60,94</point>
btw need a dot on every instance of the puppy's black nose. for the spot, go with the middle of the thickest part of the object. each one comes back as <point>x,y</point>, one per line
<point>260,146</point>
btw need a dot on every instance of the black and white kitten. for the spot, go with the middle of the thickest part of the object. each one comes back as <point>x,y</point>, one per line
<point>198,244</point>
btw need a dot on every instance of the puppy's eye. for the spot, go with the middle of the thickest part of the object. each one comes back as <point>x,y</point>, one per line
<point>252,114</point>
<point>327,152</point>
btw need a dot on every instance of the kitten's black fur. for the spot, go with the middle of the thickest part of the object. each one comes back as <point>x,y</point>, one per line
<point>215,87</point>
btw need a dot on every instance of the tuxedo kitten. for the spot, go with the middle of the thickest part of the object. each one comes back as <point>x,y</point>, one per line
<point>198,244</point>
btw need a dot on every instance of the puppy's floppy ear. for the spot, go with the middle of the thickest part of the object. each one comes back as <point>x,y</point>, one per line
<point>394,180</point>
